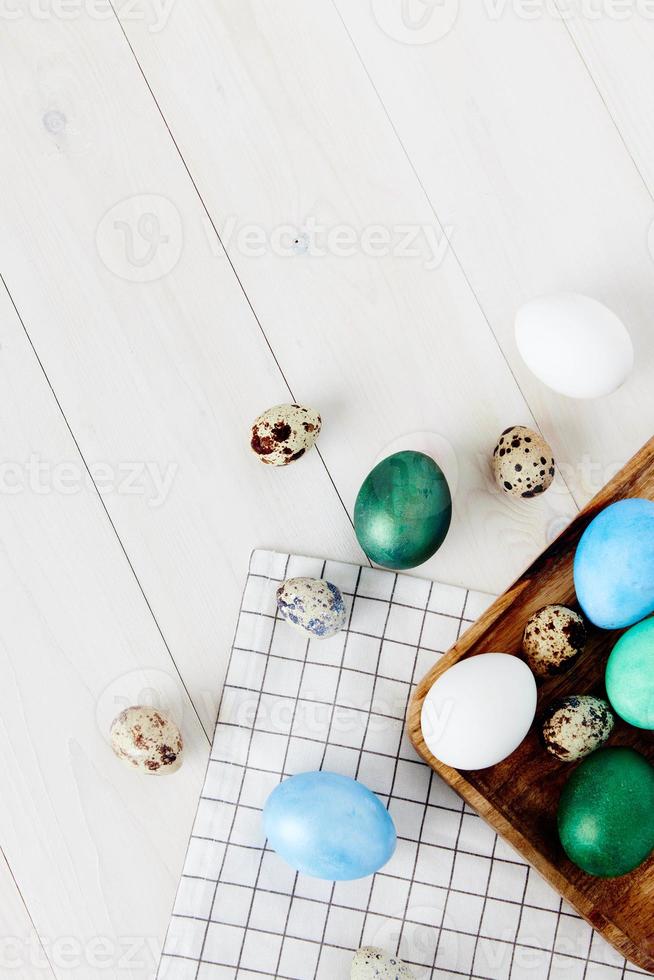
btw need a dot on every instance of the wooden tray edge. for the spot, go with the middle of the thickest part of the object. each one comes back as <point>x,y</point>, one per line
<point>619,486</point>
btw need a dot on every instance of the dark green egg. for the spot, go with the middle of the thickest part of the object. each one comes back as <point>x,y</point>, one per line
<point>606,813</point>
<point>403,510</point>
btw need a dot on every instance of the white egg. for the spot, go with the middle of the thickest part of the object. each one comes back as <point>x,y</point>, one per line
<point>574,344</point>
<point>479,711</point>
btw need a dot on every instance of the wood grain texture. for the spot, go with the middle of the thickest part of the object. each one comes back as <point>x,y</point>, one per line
<point>519,797</point>
<point>536,184</point>
<point>97,851</point>
<point>502,133</point>
<point>147,338</point>
<point>393,343</point>
<point>20,946</point>
<point>617,51</point>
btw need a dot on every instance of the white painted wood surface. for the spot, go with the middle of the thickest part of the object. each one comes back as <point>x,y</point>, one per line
<point>164,178</point>
<point>401,346</point>
<point>20,946</point>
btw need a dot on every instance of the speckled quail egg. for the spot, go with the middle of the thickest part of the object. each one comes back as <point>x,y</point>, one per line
<point>284,433</point>
<point>575,726</point>
<point>371,963</point>
<point>553,638</point>
<point>146,739</point>
<point>312,605</point>
<point>523,464</point>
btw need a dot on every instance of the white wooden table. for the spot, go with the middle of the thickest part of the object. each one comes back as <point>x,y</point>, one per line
<point>210,205</point>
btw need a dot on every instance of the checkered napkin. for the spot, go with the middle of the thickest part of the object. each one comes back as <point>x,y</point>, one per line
<point>453,901</point>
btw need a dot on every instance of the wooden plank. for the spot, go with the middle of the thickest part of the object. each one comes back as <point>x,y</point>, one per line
<point>153,351</point>
<point>279,140</point>
<point>20,946</point>
<point>518,154</point>
<point>617,51</point>
<point>97,849</point>
<point>519,796</point>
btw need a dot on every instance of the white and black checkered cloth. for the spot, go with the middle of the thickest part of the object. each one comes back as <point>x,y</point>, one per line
<point>453,901</point>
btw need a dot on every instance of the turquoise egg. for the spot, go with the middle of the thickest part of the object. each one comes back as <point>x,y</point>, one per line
<point>614,565</point>
<point>403,510</point>
<point>630,676</point>
<point>329,826</point>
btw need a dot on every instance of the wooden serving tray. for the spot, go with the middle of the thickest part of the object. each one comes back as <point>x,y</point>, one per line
<point>519,796</point>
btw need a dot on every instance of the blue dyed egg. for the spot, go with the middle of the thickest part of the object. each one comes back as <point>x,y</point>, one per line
<point>614,565</point>
<point>329,826</point>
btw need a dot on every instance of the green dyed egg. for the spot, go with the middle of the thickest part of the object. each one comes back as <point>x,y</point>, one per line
<point>403,510</point>
<point>606,813</point>
<point>630,675</point>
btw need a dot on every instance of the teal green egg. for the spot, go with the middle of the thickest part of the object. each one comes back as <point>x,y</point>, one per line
<point>403,510</point>
<point>630,676</point>
<point>606,813</point>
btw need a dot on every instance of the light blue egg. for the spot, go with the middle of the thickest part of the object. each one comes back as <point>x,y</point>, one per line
<point>614,565</point>
<point>329,826</point>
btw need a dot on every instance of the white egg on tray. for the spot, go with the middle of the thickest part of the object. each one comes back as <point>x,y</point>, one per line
<point>574,344</point>
<point>479,710</point>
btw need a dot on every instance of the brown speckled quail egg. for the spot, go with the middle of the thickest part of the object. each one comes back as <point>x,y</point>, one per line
<point>523,464</point>
<point>146,739</point>
<point>575,726</point>
<point>553,638</point>
<point>371,963</point>
<point>284,433</point>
